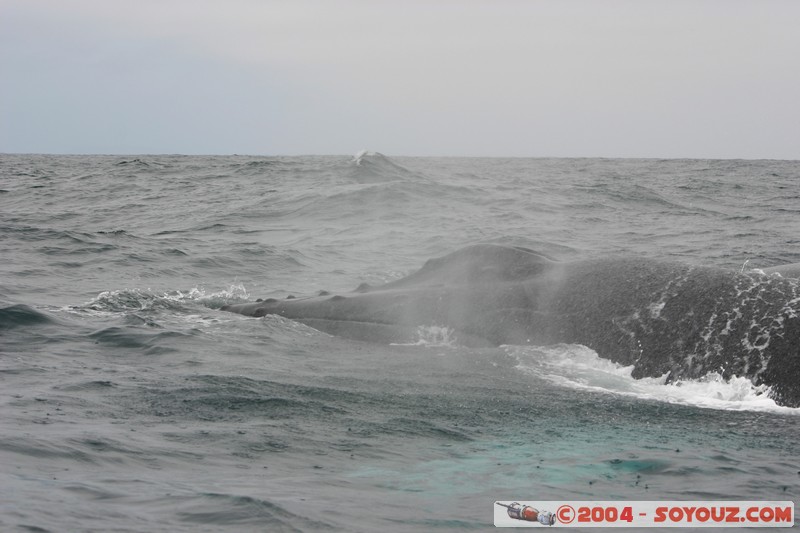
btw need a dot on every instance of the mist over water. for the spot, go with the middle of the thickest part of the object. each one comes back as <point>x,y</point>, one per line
<point>131,402</point>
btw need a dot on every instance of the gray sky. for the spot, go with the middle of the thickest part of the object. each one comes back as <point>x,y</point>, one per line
<point>638,78</point>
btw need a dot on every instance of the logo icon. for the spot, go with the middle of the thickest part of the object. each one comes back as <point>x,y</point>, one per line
<point>565,514</point>
<point>529,514</point>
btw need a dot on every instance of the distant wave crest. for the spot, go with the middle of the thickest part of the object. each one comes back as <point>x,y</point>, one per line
<point>371,167</point>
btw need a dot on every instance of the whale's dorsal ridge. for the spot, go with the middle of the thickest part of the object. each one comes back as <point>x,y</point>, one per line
<point>535,253</point>
<point>480,263</point>
<point>494,254</point>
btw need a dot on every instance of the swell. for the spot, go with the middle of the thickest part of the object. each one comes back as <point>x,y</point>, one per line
<point>220,509</point>
<point>20,316</point>
<point>62,241</point>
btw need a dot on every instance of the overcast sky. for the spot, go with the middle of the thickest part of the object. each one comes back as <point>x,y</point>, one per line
<point>638,78</point>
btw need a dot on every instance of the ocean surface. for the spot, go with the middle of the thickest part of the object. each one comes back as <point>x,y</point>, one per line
<point>130,402</point>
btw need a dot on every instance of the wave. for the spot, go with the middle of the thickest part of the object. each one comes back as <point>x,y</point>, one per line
<point>373,185</point>
<point>222,510</point>
<point>135,337</point>
<point>58,242</point>
<point>126,300</point>
<point>374,167</point>
<point>34,234</point>
<point>20,315</point>
<point>578,367</point>
<point>227,398</point>
<point>153,322</point>
<point>139,162</point>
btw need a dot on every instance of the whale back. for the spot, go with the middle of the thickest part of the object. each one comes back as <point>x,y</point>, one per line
<point>487,293</point>
<point>686,321</point>
<point>661,318</point>
<point>478,264</point>
<point>787,271</point>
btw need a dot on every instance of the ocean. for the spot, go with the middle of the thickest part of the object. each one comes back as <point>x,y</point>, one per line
<point>131,402</point>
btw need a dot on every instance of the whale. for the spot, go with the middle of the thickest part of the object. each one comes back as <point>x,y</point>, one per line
<point>791,270</point>
<point>663,318</point>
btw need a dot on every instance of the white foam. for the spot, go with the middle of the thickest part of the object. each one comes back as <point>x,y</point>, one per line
<point>433,337</point>
<point>234,294</point>
<point>122,300</point>
<point>576,366</point>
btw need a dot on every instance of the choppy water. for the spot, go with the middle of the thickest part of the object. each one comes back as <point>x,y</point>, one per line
<point>130,402</point>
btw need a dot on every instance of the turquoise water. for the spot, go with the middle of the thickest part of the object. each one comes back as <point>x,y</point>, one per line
<point>130,402</point>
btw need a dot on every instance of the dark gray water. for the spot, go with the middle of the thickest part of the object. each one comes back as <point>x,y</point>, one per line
<point>130,402</point>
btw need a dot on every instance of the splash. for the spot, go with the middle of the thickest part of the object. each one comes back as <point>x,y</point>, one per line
<point>125,300</point>
<point>236,293</point>
<point>576,366</point>
<point>433,337</point>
